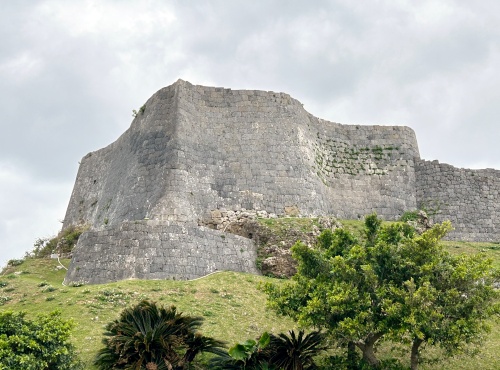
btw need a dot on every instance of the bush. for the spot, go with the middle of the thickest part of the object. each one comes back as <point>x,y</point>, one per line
<point>37,344</point>
<point>63,243</point>
<point>290,351</point>
<point>409,216</point>
<point>155,337</point>
<point>14,262</point>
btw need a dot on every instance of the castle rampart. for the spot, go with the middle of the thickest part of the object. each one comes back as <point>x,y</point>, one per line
<point>194,149</point>
<point>468,198</point>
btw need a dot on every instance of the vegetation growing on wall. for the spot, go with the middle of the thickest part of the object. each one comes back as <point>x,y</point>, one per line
<point>141,111</point>
<point>335,157</point>
<point>61,244</point>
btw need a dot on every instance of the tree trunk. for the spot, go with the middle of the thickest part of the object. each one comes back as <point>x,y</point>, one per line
<point>366,347</point>
<point>369,356</point>
<point>414,353</point>
<point>351,356</point>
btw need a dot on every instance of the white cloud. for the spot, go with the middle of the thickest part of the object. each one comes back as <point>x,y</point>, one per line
<point>29,208</point>
<point>123,21</point>
<point>21,67</point>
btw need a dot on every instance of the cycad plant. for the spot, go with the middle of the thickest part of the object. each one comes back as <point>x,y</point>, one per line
<point>147,336</point>
<point>296,352</point>
<point>248,355</point>
<point>273,352</point>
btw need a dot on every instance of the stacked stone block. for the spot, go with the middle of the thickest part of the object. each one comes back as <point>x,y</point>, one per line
<point>468,198</point>
<point>158,250</point>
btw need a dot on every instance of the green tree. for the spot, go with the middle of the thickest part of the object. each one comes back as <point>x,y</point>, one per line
<point>38,344</point>
<point>147,336</point>
<point>396,285</point>
<point>441,299</point>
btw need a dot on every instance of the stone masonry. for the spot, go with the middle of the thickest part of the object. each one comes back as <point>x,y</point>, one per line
<point>468,198</point>
<point>194,149</point>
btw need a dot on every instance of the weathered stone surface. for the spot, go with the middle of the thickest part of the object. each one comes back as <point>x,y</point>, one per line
<point>158,250</point>
<point>468,198</point>
<point>195,150</point>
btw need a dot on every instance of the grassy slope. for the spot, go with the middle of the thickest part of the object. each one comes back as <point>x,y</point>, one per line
<point>233,307</point>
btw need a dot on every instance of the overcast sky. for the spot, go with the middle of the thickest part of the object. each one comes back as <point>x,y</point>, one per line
<point>72,71</point>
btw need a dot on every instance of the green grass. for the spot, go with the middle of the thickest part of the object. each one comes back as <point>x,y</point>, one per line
<point>356,227</point>
<point>490,250</point>
<point>284,224</point>
<point>232,306</point>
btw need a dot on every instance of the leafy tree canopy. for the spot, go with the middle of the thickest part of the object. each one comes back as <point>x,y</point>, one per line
<point>396,285</point>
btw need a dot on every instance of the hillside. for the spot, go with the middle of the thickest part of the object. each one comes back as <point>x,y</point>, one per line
<point>233,307</point>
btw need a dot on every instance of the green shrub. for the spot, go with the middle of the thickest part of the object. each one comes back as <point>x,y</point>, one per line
<point>63,243</point>
<point>48,289</point>
<point>409,216</point>
<point>77,284</point>
<point>14,262</point>
<point>141,111</point>
<point>37,344</point>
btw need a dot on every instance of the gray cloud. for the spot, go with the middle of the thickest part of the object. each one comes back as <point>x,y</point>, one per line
<point>72,72</point>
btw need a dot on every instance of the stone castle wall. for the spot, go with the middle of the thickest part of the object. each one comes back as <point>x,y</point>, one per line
<point>195,149</point>
<point>199,148</point>
<point>158,250</point>
<point>468,198</point>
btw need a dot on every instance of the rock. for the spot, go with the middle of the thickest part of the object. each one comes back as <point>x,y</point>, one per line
<point>422,223</point>
<point>328,222</point>
<point>280,266</point>
<point>262,214</point>
<point>292,211</point>
<point>316,231</point>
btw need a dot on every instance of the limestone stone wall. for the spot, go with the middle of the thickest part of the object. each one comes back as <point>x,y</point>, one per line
<point>194,149</point>
<point>158,250</point>
<point>468,198</point>
<point>126,179</point>
<point>199,148</point>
